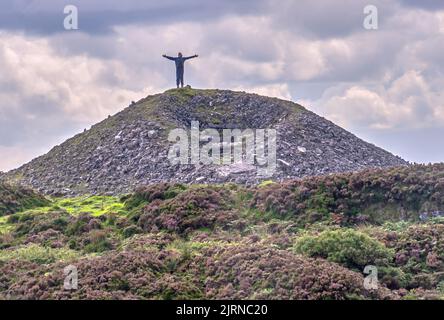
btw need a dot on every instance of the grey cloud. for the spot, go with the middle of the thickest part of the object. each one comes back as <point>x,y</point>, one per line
<point>46,16</point>
<point>246,44</point>
<point>327,19</point>
<point>424,4</point>
<point>31,120</point>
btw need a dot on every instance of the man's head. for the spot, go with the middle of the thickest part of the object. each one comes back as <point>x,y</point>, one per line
<point>180,54</point>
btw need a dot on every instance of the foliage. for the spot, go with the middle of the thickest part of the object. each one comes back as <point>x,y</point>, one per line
<point>261,272</point>
<point>304,239</point>
<point>349,247</point>
<point>14,199</point>
<point>372,195</point>
<point>38,254</point>
<point>193,209</point>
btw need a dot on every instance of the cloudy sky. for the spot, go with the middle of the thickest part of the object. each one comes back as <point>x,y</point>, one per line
<point>384,85</point>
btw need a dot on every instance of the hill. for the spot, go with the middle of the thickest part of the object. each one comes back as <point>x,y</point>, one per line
<point>131,147</point>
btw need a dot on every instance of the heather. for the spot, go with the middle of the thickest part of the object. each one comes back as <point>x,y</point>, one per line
<point>301,239</point>
<point>13,198</point>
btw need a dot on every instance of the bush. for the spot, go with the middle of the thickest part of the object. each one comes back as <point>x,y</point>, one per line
<point>97,242</point>
<point>14,199</point>
<point>193,209</point>
<point>31,224</point>
<point>115,275</point>
<point>258,272</point>
<point>83,224</point>
<point>147,194</point>
<point>413,193</point>
<point>348,247</point>
<point>420,248</point>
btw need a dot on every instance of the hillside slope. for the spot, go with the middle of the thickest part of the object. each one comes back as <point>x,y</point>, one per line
<point>14,198</point>
<point>302,239</point>
<point>131,147</point>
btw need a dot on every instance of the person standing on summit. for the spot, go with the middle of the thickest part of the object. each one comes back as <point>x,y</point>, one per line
<point>179,60</point>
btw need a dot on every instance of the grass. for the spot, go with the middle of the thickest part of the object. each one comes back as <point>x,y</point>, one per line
<point>265,183</point>
<point>4,226</point>
<point>96,205</point>
<point>38,254</point>
<point>194,247</point>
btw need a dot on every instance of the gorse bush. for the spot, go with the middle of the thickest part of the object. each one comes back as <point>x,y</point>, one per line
<point>348,247</point>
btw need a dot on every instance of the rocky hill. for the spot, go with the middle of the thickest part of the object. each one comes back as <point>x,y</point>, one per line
<point>131,147</point>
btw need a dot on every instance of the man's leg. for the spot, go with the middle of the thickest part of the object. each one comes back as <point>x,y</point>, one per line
<point>181,79</point>
<point>177,80</point>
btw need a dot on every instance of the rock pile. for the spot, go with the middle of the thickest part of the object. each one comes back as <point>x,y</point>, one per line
<point>131,147</point>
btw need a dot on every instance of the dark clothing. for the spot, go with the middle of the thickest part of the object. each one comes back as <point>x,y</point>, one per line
<point>179,61</point>
<point>179,76</point>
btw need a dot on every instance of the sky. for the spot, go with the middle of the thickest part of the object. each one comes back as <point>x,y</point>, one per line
<point>384,85</point>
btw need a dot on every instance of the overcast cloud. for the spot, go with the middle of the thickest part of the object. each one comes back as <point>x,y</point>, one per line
<point>384,85</point>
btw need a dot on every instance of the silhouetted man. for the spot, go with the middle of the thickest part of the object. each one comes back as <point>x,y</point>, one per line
<point>179,66</point>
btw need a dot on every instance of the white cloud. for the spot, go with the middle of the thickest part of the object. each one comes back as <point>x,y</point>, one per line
<point>440,16</point>
<point>45,96</point>
<point>274,90</point>
<point>72,84</point>
<point>406,102</point>
<point>56,84</point>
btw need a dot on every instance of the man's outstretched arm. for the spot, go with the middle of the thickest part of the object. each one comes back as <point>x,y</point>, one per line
<point>168,57</point>
<point>190,57</point>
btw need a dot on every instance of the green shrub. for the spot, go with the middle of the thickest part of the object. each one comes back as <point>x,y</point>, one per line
<point>348,247</point>
<point>13,218</point>
<point>393,278</point>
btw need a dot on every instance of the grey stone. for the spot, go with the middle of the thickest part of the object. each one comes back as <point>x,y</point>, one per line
<point>131,147</point>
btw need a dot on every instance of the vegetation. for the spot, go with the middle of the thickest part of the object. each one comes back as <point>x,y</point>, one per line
<point>38,254</point>
<point>349,247</point>
<point>305,239</point>
<point>13,199</point>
